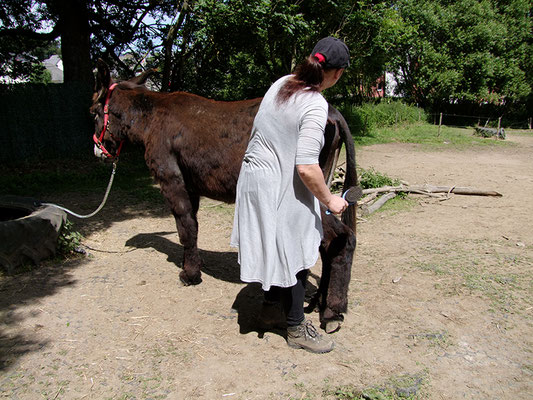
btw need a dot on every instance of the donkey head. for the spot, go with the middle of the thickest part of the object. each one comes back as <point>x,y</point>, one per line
<point>106,144</point>
<point>109,128</point>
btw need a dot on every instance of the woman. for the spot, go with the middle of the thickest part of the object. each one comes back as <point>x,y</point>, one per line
<point>277,224</point>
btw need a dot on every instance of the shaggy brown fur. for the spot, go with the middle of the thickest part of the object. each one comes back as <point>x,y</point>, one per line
<point>194,147</point>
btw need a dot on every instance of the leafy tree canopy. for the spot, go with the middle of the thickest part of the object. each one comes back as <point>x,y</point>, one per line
<point>441,51</point>
<point>465,50</point>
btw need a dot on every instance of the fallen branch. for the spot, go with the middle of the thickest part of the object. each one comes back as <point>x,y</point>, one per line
<point>438,196</point>
<point>369,209</point>
<point>367,199</point>
<point>368,205</point>
<point>426,189</point>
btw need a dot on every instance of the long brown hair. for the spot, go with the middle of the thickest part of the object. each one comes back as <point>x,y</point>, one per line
<point>307,75</point>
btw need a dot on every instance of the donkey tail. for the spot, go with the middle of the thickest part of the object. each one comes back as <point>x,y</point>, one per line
<point>350,178</point>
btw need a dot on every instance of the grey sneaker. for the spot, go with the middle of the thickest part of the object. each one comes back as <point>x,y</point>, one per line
<point>305,336</point>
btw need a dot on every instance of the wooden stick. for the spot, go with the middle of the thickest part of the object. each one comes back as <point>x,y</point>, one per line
<point>369,209</point>
<point>368,199</point>
<point>438,196</point>
<point>425,189</point>
<point>383,189</point>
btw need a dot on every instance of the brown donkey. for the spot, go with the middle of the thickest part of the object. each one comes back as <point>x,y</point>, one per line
<point>194,147</point>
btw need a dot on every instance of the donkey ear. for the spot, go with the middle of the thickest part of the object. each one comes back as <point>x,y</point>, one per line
<point>142,78</point>
<point>103,79</point>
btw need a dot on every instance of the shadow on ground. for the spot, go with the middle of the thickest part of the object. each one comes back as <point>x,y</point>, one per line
<point>20,289</point>
<point>218,264</point>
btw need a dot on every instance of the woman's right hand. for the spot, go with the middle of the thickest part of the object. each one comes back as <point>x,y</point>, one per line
<point>336,204</point>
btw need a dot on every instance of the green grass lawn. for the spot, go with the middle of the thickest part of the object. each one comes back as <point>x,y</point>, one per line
<point>83,175</point>
<point>426,134</point>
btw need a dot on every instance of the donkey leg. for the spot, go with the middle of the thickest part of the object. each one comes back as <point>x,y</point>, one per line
<point>340,255</point>
<point>184,207</point>
<point>337,252</point>
<point>187,225</point>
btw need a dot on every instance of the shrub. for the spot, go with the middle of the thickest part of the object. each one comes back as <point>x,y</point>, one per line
<point>69,240</point>
<point>369,116</point>
<point>373,179</point>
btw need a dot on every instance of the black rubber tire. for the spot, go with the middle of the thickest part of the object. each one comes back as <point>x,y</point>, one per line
<point>28,231</point>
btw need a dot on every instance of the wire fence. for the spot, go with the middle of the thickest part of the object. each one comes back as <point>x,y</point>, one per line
<point>462,121</point>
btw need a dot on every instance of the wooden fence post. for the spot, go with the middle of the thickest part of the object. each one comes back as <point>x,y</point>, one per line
<point>498,135</point>
<point>440,123</point>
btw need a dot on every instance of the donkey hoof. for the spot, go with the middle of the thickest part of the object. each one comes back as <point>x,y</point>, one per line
<point>188,281</point>
<point>332,326</point>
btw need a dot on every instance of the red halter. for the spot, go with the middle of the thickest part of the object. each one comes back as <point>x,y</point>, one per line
<point>98,140</point>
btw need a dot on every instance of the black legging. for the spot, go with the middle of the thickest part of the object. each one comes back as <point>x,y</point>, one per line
<point>292,298</point>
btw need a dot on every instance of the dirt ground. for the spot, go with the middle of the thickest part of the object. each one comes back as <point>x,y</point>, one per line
<point>441,301</point>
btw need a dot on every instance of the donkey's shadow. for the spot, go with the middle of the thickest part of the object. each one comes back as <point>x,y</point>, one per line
<point>221,265</point>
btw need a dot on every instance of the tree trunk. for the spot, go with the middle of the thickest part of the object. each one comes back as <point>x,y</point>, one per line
<point>75,48</point>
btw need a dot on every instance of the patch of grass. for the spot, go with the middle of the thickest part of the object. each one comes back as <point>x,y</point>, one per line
<point>82,175</point>
<point>400,203</point>
<point>406,387</point>
<point>305,395</point>
<point>125,396</point>
<point>434,339</point>
<point>436,268</point>
<point>524,132</point>
<point>371,178</point>
<point>528,368</point>
<point>500,289</point>
<point>503,277</point>
<point>427,134</point>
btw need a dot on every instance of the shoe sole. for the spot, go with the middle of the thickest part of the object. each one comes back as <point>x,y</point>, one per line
<point>299,346</point>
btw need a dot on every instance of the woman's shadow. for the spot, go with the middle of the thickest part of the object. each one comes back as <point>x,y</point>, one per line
<point>220,265</point>
<point>248,304</point>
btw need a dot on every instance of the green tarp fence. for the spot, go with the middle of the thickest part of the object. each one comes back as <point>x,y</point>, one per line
<point>39,121</point>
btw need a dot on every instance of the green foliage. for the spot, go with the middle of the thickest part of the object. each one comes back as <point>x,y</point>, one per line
<point>43,77</point>
<point>240,47</point>
<point>465,52</point>
<point>69,239</point>
<point>369,116</point>
<point>373,179</point>
<point>468,50</point>
<point>235,49</point>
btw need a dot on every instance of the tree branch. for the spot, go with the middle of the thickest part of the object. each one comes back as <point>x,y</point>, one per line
<point>31,34</point>
<point>427,189</point>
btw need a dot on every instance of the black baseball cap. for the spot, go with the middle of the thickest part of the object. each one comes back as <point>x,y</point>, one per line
<point>332,53</point>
